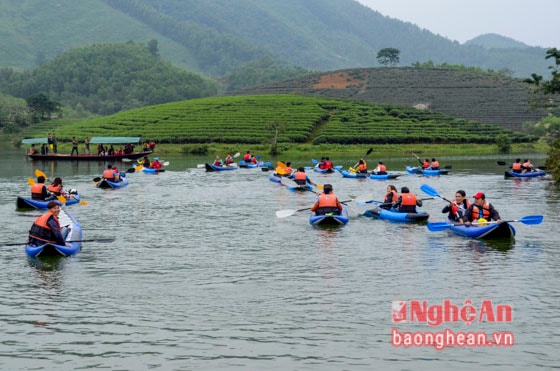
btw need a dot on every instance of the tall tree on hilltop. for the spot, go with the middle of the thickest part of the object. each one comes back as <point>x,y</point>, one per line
<point>388,56</point>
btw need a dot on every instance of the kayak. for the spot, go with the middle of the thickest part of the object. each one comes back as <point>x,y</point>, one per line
<point>395,216</point>
<point>383,176</point>
<point>251,165</point>
<point>353,174</point>
<point>329,219</point>
<point>74,230</point>
<point>327,171</point>
<point>107,184</point>
<point>298,187</point>
<point>29,203</point>
<point>149,170</point>
<point>427,172</point>
<point>275,178</point>
<point>489,231</point>
<point>532,174</point>
<point>212,167</point>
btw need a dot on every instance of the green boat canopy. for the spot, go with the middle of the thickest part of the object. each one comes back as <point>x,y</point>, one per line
<point>34,141</point>
<point>114,140</point>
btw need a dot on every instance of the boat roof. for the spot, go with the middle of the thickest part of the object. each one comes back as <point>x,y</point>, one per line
<point>34,140</point>
<point>94,140</point>
<point>114,140</point>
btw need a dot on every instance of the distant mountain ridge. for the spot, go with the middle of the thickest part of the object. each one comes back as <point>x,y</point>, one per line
<point>216,36</point>
<point>495,41</point>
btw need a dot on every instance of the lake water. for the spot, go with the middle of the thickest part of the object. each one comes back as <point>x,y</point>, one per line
<point>203,276</point>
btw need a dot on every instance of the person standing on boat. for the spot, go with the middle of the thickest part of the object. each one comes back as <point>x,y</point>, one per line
<point>86,145</point>
<point>74,146</point>
<point>50,142</point>
<point>481,209</point>
<point>327,202</point>
<point>54,143</point>
<point>301,178</point>
<point>456,208</point>
<point>407,202</point>
<point>46,228</point>
<point>39,190</point>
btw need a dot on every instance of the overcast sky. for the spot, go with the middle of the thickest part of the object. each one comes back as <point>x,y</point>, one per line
<point>533,22</point>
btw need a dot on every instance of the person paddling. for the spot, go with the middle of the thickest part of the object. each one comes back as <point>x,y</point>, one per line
<point>327,202</point>
<point>46,228</point>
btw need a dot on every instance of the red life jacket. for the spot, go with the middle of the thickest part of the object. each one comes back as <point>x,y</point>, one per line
<point>455,207</point>
<point>247,157</point>
<point>41,231</point>
<point>408,199</point>
<point>485,212</point>
<point>425,165</point>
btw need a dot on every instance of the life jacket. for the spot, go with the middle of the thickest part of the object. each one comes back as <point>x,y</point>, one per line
<point>41,231</point>
<point>435,165</point>
<point>425,165</point>
<point>382,168</point>
<point>300,177</point>
<point>362,167</point>
<point>485,212</point>
<point>109,174</point>
<point>37,191</point>
<point>455,208</point>
<point>254,160</point>
<point>527,165</point>
<point>289,170</point>
<point>218,163</point>
<point>408,199</point>
<point>55,189</point>
<point>322,165</point>
<point>229,160</point>
<point>247,157</point>
<point>157,165</point>
<point>516,166</point>
<point>327,200</point>
<point>328,165</point>
<point>392,196</point>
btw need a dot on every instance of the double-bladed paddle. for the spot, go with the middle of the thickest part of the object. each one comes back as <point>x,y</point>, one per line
<point>289,212</point>
<point>362,203</point>
<point>367,153</point>
<point>432,192</point>
<point>134,169</point>
<point>529,219</point>
<point>100,240</point>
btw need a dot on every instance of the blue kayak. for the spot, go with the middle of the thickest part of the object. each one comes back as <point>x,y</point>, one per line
<point>353,174</point>
<point>29,203</point>
<point>531,174</point>
<point>327,171</point>
<point>275,178</point>
<point>73,238</point>
<point>149,170</point>
<point>395,216</point>
<point>330,218</point>
<point>107,184</point>
<point>489,231</point>
<point>427,172</point>
<point>212,167</point>
<point>383,176</point>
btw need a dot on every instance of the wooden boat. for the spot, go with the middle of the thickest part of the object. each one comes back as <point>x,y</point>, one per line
<point>395,216</point>
<point>89,157</point>
<point>73,238</point>
<point>531,174</point>
<point>107,184</point>
<point>212,167</point>
<point>29,203</point>
<point>330,218</point>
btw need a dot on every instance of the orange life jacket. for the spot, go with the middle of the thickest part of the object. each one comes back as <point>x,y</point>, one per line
<point>392,196</point>
<point>55,189</point>
<point>408,199</point>
<point>37,189</point>
<point>516,166</point>
<point>288,170</point>
<point>41,231</point>
<point>327,200</point>
<point>425,165</point>
<point>485,212</point>
<point>435,164</point>
<point>527,165</point>
<point>109,174</point>
<point>300,175</point>
<point>362,167</point>
<point>382,168</point>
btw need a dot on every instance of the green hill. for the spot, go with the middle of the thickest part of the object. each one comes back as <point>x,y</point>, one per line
<point>471,94</point>
<point>311,120</point>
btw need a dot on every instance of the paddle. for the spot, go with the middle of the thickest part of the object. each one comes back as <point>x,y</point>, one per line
<point>290,183</point>
<point>134,169</point>
<point>503,163</point>
<point>126,160</point>
<point>31,181</point>
<point>367,153</point>
<point>530,220</point>
<point>289,212</point>
<point>361,203</point>
<point>101,240</point>
<point>97,179</point>
<point>418,158</point>
<point>39,173</point>
<point>432,192</point>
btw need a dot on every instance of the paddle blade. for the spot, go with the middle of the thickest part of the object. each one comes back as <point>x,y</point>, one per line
<point>97,179</point>
<point>30,181</point>
<point>438,226</point>
<point>126,160</point>
<point>281,164</point>
<point>84,203</point>
<point>429,190</point>
<point>39,173</point>
<point>285,213</point>
<point>280,170</point>
<point>200,166</point>
<point>320,186</point>
<point>369,151</point>
<point>237,155</point>
<point>501,163</point>
<point>532,219</point>
<point>131,170</point>
<point>62,199</point>
<point>314,161</point>
<point>166,163</point>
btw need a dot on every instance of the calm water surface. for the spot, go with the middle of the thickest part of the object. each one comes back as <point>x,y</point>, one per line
<point>203,276</point>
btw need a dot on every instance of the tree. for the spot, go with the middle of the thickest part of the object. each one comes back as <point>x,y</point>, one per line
<point>389,56</point>
<point>276,128</point>
<point>153,47</point>
<point>42,107</point>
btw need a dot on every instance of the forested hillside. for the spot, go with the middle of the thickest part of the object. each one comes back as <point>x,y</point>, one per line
<point>216,36</point>
<point>108,78</point>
